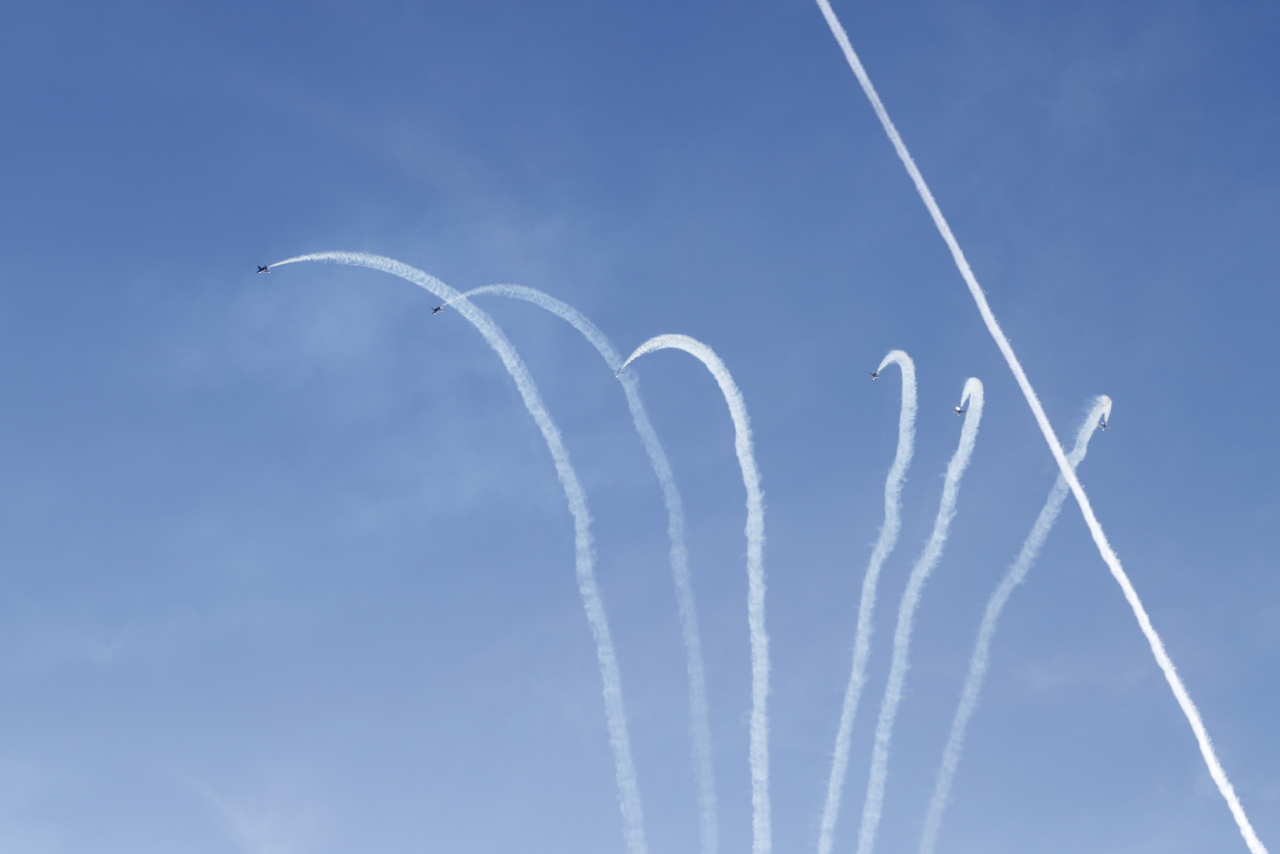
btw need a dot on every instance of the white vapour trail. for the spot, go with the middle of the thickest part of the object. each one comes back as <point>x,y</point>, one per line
<point>615,713</point>
<point>1099,412</point>
<point>866,606</point>
<point>1112,560</point>
<point>928,559</point>
<point>699,715</point>
<point>762,836</point>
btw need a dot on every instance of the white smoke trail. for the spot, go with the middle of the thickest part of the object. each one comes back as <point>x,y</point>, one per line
<point>762,834</point>
<point>1112,560</point>
<point>615,713</point>
<point>866,606</point>
<point>871,808</point>
<point>1100,411</point>
<point>699,715</point>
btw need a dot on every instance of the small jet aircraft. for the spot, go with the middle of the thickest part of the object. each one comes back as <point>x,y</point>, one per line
<point>262,269</point>
<point>1103,425</point>
<point>437,309</point>
<point>875,375</point>
<point>959,411</point>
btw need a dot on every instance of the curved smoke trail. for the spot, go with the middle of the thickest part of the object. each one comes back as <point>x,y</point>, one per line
<point>624,767</point>
<point>1109,556</point>
<point>928,559</point>
<point>866,607</point>
<point>759,755</point>
<point>699,715</point>
<point>1099,413</point>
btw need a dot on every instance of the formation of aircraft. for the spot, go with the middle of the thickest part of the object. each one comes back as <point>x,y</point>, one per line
<point>262,269</point>
<point>875,375</point>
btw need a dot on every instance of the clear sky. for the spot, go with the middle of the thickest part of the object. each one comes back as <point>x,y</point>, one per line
<point>287,569</point>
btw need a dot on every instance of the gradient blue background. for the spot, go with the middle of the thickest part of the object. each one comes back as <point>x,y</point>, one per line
<point>286,566</point>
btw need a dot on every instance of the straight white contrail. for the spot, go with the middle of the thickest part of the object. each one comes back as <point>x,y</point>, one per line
<point>1055,447</point>
<point>1100,412</point>
<point>762,835</point>
<point>866,606</point>
<point>699,715</point>
<point>615,713</point>
<point>872,807</point>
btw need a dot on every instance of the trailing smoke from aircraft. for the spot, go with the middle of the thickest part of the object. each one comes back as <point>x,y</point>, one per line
<point>928,560</point>
<point>762,834</point>
<point>1109,556</point>
<point>866,606</point>
<point>615,713</point>
<point>1098,414</point>
<point>699,713</point>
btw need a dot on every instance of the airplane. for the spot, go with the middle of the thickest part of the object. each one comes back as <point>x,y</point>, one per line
<point>437,309</point>
<point>619,372</point>
<point>875,375</point>
<point>1103,425</point>
<point>262,269</point>
<point>959,411</point>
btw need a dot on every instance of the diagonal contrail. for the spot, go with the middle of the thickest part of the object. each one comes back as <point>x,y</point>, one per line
<point>762,835</point>
<point>1100,412</point>
<point>699,715</point>
<point>871,808</point>
<point>866,606</point>
<point>1055,447</point>
<point>615,713</point>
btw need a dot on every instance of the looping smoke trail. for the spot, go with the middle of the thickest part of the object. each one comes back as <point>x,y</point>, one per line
<point>699,715</point>
<point>1109,556</point>
<point>1100,411</point>
<point>615,713</point>
<point>759,754</point>
<point>928,559</point>
<point>866,607</point>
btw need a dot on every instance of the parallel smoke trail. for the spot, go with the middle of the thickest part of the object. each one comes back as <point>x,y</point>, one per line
<point>761,841</point>
<point>624,767</point>
<point>929,558</point>
<point>866,606</point>
<point>699,715</point>
<point>1100,412</point>
<point>1055,447</point>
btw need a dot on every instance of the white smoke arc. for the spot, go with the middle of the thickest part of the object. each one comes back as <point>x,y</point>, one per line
<point>1109,556</point>
<point>981,659</point>
<point>615,713</point>
<point>699,714</point>
<point>874,803</point>
<point>866,606</point>
<point>762,834</point>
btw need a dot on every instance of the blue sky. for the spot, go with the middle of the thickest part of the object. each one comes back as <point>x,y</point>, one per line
<point>287,568</point>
